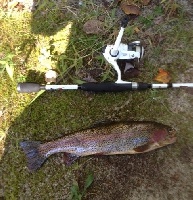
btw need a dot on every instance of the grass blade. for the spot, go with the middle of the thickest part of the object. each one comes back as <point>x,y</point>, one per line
<point>10,70</point>
<point>88,182</point>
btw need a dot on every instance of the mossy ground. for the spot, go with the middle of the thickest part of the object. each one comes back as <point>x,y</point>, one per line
<point>163,174</point>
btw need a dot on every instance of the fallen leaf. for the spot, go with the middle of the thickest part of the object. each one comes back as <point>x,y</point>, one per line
<point>136,29</point>
<point>129,8</point>
<point>93,26</point>
<point>145,2</point>
<point>162,76</point>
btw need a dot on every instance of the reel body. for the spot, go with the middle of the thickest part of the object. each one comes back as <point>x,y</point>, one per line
<point>131,51</point>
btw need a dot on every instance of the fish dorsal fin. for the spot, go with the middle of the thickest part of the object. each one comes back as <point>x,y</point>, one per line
<point>142,148</point>
<point>69,158</point>
<point>102,123</point>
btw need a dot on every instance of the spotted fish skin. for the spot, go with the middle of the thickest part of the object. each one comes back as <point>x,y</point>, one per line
<point>106,139</point>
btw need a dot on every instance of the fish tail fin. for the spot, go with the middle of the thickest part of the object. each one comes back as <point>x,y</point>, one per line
<point>34,158</point>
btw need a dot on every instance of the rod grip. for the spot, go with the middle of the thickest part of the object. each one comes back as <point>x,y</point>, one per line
<point>106,87</point>
<point>29,87</point>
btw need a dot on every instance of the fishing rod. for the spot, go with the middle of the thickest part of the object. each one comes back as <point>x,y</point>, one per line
<point>99,87</point>
<point>112,53</point>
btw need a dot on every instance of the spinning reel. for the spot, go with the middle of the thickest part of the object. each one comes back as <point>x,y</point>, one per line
<point>131,51</point>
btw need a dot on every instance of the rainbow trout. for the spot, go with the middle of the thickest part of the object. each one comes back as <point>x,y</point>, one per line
<point>107,139</point>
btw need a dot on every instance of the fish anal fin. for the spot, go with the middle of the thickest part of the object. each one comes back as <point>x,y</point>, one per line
<point>142,148</point>
<point>69,158</point>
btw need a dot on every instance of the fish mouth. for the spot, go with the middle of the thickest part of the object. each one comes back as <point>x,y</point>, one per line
<point>173,139</point>
<point>168,141</point>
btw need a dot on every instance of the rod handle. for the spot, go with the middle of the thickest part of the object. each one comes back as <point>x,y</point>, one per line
<point>29,87</point>
<point>106,87</point>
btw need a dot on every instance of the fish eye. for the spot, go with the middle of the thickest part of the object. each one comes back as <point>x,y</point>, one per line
<point>170,129</point>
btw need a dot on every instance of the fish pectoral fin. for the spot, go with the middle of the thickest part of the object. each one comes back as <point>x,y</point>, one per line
<point>69,158</point>
<point>142,148</point>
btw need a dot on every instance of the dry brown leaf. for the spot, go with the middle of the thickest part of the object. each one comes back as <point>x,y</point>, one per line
<point>129,8</point>
<point>136,29</point>
<point>93,26</point>
<point>162,76</point>
<point>145,2</point>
